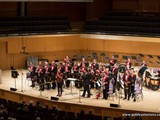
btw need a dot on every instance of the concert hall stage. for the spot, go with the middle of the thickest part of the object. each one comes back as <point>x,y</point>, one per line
<point>150,103</point>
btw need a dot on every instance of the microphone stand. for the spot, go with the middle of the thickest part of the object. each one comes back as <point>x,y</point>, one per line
<point>21,79</point>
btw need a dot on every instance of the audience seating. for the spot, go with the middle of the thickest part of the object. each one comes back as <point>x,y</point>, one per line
<point>10,110</point>
<point>128,25</point>
<point>35,25</point>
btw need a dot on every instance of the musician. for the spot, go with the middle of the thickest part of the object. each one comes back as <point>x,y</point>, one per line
<point>75,68</point>
<point>32,73</point>
<point>112,61</point>
<point>62,67</point>
<point>98,71</point>
<point>82,69</point>
<point>120,82</point>
<point>84,63</point>
<point>53,74</point>
<point>114,72</point>
<point>47,68</point>
<point>47,75</point>
<point>133,79</point>
<point>127,85</point>
<point>66,60</point>
<point>158,72</point>
<point>103,69</point>
<point>41,77</point>
<point>128,63</point>
<point>59,78</point>
<point>86,82</point>
<point>94,65</point>
<point>93,76</point>
<point>98,75</point>
<point>105,85</point>
<point>76,74</point>
<point>67,72</point>
<point>143,64</point>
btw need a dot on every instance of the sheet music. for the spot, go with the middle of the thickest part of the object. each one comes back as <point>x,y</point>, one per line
<point>72,79</point>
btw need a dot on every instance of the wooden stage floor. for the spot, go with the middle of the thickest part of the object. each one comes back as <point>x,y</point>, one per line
<point>150,103</point>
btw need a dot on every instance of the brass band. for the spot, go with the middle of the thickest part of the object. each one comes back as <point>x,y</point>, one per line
<point>105,77</point>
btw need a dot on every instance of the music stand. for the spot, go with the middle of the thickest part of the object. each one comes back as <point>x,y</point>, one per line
<point>95,57</point>
<point>75,56</point>
<point>94,54</point>
<point>107,58</point>
<point>158,63</point>
<point>125,57</point>
<point>141,55</point>
<point>82,56</point>
<point>116,56</point>
<point>80,95</point>
<point>102,54</point>
<point>150,56</point>
<point>71,79</point>
<point>134,57</point>
<point>89,57</point>
<point>56,61</point>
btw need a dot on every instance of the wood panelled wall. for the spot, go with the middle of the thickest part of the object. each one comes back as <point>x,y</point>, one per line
<point>132,5</point>
<point>74,11</point>
<point>58,46</point>
<point>125,5</point>
<point>79,11</point>
<point>8,9</point>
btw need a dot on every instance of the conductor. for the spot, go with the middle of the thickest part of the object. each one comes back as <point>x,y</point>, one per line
<point>86,82</point>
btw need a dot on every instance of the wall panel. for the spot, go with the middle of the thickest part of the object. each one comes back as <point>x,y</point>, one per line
<point>8,9</point>
<point>50,43</point>
<point>84,44</point>
<point>74,11</point>
<point>97,45</point>
<point>3,51</point>
<point>14,44</point>
<point>124,5</point>
<point>54,47</point>
<point>35,44</point>
<point>132,5</point>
